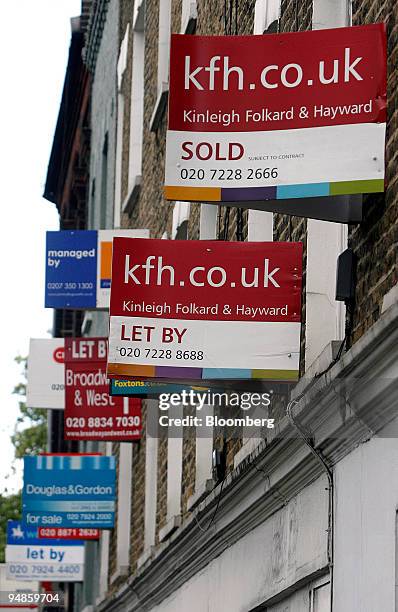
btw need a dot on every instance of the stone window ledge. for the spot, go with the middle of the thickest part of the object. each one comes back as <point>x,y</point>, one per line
<point>132,197</point>
<point>160,108</point>
<point>121,571</point>
<point>200,493</point>
<point>171,525</point>
<point>247,449</point>
<point>145,557</point>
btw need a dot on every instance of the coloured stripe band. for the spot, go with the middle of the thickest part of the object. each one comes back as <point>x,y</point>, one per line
<point>203,374</point>
<point>273,193</point>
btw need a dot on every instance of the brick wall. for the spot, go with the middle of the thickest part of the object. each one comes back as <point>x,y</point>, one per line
<point>188,462</point>
<point>375,240</point>
<point>161,498</point>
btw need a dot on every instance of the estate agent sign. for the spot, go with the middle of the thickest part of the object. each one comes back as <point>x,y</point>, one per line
<point>196,310</point>
<point>277,117</point>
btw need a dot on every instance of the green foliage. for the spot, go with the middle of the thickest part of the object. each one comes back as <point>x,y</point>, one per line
<point>10,509</point>
<point>29,438</point>
<point>30,434</point>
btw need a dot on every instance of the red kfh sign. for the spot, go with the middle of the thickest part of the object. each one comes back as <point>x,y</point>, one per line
<point>201,310</point>
<point>276,117</point>
<point>90,412</point>
<point>64,533</point>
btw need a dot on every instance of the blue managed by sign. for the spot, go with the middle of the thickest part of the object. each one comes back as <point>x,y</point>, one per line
<point>71,269</point>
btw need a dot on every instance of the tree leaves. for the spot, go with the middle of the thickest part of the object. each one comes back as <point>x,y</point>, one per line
<point>30,434</point>
<point>10,509</point>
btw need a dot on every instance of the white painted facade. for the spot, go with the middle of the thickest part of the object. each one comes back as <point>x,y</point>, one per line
<point>151,471</point>
<point>125,473</point>
<point>291,546</point>
<point>245,575</point>
<point>366,528</point>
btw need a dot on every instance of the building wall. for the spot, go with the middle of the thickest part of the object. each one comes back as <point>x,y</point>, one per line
<point>373,241</point>
<point>366,528</point>
<point>103,128</point>
<point>152,211</point>
<point>100,212</point>
<point>103,119</point>
<point>289,547</point>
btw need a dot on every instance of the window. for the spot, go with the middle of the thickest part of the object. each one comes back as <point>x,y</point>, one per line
<point>174,474</point>
<point>151,470</point>
<point>137,100</point>
<point>104,550</point>
<point>180,221</point>
<point>121,67</point>
<point>320,598</point>
<point>123,510</point>
<point>325,318</point>
<point>164,44</point>
<point>189,15</point>
<point>266,16</point>
<point>104,183</point>
<point>139,15</point>
<point>164,34</point>
<point>330,14</point>
<point>151,485</point>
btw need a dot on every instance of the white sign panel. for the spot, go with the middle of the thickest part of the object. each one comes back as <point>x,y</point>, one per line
<point>50,563</point>
<point>45,388</point>
<point>48,554</point>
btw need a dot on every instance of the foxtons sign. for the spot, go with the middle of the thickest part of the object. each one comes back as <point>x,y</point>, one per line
<point>205,310</point>
<point>278,116</point>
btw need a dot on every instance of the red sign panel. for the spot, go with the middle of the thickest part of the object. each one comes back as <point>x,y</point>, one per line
<point>65,533</point>
<point>90,412</point>
<point>194,279</point>
<point>261,78</point>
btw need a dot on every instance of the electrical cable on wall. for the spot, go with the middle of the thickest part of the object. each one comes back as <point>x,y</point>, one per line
<point>204,529</point>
